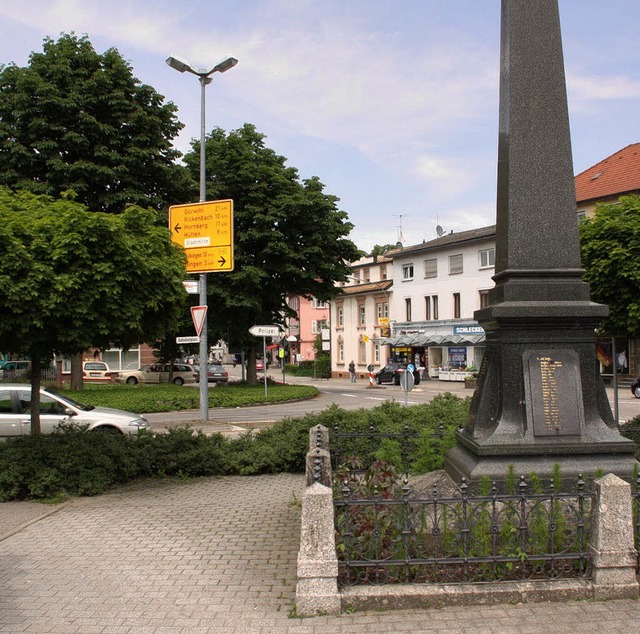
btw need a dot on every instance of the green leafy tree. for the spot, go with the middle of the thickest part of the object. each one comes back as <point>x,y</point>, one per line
<point>610,249</point>
<point>71,279</point>
<point>379,249</point>
<point>289,236</point>
<point>75,119</point>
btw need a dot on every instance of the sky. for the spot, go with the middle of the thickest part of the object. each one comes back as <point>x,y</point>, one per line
<point>392,104</point>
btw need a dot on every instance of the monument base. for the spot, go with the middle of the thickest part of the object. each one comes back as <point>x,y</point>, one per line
<point>460,463</point>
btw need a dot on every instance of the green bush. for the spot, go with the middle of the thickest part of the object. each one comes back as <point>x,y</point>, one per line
<point>73,461</point>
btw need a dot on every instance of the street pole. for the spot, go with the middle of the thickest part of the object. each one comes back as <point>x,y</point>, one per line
<point>204,340</point>
<point>204,76</point>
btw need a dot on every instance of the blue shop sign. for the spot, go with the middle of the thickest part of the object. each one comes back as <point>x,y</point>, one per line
<point>457,350</point>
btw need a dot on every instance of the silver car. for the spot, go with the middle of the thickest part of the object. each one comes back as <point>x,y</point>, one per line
<point>158,373</point>
<point>15,413</point>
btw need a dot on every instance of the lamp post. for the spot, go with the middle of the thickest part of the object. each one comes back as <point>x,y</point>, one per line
<point>204,77</point>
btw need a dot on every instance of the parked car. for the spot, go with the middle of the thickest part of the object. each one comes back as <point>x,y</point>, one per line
<point>158,373</point>
<point>635,388</point>
<point>392,372</point>
<point>14,369</point>
<point>216,374</point>
<point>96,372</point>
<point>15,413</point>
<point>260,364</point>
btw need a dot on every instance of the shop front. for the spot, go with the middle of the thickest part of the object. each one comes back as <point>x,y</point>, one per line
<point>449,352</point>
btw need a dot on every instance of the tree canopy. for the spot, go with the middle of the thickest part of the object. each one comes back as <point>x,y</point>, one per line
<point>74,119</point>
<point>289,235</point>
<point>610,249</point>
<point>72,279</point>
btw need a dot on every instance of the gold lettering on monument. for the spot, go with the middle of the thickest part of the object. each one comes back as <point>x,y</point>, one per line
<point>551,409</point>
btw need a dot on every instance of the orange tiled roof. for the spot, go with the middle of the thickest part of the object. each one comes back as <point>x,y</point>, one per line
<point>616,175</point>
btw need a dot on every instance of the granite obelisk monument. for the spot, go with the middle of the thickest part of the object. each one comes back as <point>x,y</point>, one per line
<point>540,400</point>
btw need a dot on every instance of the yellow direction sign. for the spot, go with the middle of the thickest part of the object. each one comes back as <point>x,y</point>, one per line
<point>205,232</point>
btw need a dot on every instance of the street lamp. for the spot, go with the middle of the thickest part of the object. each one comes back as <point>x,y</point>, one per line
<point>204,76</point>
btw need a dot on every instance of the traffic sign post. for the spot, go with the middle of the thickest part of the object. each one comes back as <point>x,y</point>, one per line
<point>205,231</point>
<point>407,382</point>
<point>264,332</point>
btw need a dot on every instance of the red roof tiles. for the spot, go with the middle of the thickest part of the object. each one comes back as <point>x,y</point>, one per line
<point>616,175</point>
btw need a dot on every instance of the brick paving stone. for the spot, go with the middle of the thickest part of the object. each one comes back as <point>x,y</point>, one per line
<point>208,556</point>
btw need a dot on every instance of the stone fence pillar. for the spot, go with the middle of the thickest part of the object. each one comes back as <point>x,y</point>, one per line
<point>317,588</point>
<point>612,543</point>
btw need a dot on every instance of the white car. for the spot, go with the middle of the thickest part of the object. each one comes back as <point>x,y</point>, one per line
<point>15,413</point>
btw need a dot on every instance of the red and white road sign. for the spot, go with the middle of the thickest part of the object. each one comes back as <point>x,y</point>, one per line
<point>198,314</point>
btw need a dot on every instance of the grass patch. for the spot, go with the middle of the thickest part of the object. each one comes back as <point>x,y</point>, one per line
<point>150,399</point>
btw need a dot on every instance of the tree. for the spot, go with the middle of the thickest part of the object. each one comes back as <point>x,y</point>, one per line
<point>382,249</point>
<point>71,279</point>
<point>610,249</point>
<point>77,120</point>
<point>289,236</point>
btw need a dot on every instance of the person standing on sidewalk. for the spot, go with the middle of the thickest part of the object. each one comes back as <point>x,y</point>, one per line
<point>352,372</point>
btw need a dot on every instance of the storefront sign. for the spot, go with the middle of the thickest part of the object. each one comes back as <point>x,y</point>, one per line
<point>468,330</point>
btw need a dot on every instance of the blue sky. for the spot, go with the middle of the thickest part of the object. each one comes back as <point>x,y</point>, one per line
<point>393,104</point>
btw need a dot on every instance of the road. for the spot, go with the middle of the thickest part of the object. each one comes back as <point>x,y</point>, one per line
<point>343,393</point>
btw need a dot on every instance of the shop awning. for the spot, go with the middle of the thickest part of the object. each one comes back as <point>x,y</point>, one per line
<point>430,339</point>
<point>273,346</point>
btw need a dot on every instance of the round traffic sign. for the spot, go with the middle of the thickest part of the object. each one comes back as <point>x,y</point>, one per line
<point>407,381</point>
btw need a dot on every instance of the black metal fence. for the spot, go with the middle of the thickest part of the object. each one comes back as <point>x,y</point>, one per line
<point>386,535</point>
<point>386,532</point>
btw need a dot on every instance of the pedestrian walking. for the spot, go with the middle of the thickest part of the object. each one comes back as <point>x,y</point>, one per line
<point>352,372</point>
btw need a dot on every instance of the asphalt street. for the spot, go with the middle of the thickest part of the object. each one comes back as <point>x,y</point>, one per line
<point>343,393</point>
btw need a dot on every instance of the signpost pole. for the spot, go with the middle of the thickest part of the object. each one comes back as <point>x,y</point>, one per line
<point>204,343</point>
<point>264,363</point>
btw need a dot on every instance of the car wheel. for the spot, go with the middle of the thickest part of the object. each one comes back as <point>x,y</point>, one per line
<point>416,380</point>
<point>131,380</point>
<point>636,391</point>
<point>178,381</point>
<point>396,380</point>
<point>107,429</point>
<point>378,380</point>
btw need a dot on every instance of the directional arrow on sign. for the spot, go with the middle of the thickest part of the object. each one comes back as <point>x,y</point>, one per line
<point>177,228</point>
<point>222,261</point>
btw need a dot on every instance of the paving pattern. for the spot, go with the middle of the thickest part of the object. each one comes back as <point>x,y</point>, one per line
<point>209,556</point>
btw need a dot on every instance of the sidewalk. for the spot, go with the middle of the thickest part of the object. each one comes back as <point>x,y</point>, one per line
<point>214,556</point>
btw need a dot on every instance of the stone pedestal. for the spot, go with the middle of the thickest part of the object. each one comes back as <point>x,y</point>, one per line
<point>539,400</point>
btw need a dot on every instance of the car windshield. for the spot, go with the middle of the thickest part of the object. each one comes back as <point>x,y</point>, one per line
<point>71,401</point>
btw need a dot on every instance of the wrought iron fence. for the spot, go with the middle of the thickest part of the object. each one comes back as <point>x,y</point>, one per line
<point>369,445</point>
<point>385,534</point>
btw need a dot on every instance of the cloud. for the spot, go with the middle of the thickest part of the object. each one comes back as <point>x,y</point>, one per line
<point>598,87</point>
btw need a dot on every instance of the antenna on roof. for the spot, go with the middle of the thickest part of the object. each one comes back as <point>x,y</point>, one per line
<point>400,234</point>
<point>439,231</point>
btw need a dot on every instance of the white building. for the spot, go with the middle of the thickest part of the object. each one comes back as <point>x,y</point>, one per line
<point>437,286</point>
<point>416,304</point>
<point>359,317</point>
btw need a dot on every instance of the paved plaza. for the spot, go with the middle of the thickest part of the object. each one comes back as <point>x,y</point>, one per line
<point>214,556</point>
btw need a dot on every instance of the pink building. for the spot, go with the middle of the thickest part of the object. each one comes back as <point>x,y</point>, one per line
<point>312,316</point>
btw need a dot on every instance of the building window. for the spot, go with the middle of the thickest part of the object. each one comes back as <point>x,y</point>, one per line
<point>385,310</point>
<point>407,308</point>
<point>431,267</point>
<point>455,264</point>
<point>407,271</point>
<point>376,353</point>
<point>484,298</point>
<point>367,275</point>
<point>456,305</point>
<point>362,315</point>
<point>314,327</point>
<point>427,308</point>
<point>434,305</point>
<point>379,314</point>
<point>487,258</point>
<point>340,311</point>
<point>383,272</point>
<point>362,352</point>
<point>316,303</point>
<point>341,352</point>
